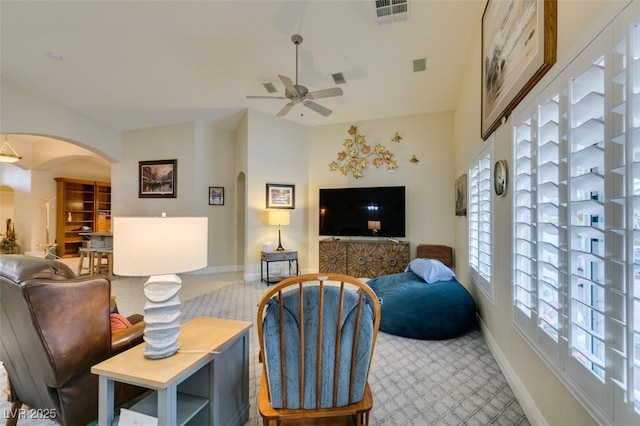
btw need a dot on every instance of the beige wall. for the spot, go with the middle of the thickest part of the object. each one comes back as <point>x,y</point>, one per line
<point>26,112</point>
<point>277,152</point>
<point>544,398</point>
<point>429,183</point>
<point>204,157</point>
<point>268,149</point>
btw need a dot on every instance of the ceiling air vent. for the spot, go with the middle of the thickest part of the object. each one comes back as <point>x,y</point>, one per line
<point>270,87</point>
<point>338,78</point>
<point>389,11</point>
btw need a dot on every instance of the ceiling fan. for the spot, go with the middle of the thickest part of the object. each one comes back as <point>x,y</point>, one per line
<point>297,93</point>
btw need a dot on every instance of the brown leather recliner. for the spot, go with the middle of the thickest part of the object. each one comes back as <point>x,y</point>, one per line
<point>54,327</point>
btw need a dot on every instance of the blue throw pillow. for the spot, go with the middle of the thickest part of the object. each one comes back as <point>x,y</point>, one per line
<point>431,270</point>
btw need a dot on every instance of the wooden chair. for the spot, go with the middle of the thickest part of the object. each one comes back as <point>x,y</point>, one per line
<point>317,334</point>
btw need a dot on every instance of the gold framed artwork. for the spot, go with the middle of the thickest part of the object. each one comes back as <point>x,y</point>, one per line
<point>461,195</point>
<point>158,179</point>
<point>280,196</point>
<point>519,44</point>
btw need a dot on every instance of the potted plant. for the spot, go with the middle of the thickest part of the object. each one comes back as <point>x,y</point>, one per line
<point>8,243</point>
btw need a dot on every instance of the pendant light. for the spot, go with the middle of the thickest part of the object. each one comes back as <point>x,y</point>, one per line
<point>7,153</point>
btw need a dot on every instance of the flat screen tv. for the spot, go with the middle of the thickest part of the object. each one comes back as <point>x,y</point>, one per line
<point>356,212</point>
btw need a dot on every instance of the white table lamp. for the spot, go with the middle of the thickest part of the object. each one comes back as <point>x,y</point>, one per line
<point>279,217</point>
<point>160,247</point>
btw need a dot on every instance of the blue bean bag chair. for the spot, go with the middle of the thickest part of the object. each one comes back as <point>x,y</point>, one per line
<point>413,308</point>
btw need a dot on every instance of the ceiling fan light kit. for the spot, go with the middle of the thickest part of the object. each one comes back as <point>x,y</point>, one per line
<point>299,94</point>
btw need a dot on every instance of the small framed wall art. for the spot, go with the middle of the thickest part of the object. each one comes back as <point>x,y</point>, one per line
<point>461,195</point>
<point>280,196</point>
<point>216,196</point>
<point>158,179</point>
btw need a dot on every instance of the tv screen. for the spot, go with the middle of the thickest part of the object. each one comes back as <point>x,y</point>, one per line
<point>357,212</point>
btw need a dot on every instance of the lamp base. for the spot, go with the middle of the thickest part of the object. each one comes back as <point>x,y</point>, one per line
<point>162,316</point>
<point>279,248</point>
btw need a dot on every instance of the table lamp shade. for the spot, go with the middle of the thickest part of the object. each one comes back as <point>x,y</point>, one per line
<point>160,247</point>
<point>144,246</point>
<point>278,217</point>
<point>374,225</point>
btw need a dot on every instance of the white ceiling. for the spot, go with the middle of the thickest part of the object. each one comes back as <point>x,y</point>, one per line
<point>136,64</point>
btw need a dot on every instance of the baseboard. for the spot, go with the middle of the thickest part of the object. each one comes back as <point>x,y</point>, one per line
<point>534,415</point>
<point>214,270</point>
<point>255,276</point>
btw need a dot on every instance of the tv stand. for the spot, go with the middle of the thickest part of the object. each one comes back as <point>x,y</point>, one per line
<point>363,258</point>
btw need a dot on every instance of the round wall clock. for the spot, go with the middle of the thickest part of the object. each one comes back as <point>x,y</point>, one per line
<point>500,177</point>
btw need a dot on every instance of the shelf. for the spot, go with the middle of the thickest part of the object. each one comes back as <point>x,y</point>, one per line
<point>188,406</point>
<point>84,200</point>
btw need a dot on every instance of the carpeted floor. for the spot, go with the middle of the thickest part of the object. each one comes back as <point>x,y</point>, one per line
<point>414,382</point>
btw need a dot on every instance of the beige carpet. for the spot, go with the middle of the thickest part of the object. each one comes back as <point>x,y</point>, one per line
<point>414,382</point>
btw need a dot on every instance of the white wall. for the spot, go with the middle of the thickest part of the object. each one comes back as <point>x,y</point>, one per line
<point>277,153</point>
<point>544,399</point>
<point>429,183</point>
<point>154,143</point>
<point>214,166</point>
<point>204,157</point>
<point>22,111</point>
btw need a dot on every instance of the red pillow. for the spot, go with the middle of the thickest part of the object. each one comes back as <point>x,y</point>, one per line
<point>118,323</point>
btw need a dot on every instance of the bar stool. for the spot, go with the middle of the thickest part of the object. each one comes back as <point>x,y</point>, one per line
<point>89,254</point>
<point>104,261</point>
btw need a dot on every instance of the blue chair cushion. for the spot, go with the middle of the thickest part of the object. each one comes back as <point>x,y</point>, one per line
<point>413,308</point>
<point>291,321</point>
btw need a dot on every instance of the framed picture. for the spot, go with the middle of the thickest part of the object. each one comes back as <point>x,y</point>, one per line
<point>158,179</point>
<point>281,196</point>
<point>216,196</point>
<point>461,195</point>
<point>519,44</point>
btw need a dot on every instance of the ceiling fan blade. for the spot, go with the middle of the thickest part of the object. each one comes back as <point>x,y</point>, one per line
<point>326,93</point>
<point>288,84</point>
<point>317,108</point>
<point>286,109</point>
<point>266,97</point>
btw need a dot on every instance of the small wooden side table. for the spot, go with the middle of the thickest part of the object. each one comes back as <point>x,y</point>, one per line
<point>268,257</point>
<point>205,383</point>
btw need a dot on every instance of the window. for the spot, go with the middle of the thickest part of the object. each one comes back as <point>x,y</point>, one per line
<point>480,221</point>
<point>576,222</point>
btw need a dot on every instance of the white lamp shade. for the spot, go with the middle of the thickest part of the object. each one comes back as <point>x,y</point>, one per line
<point>278,217</point>
<point>144,246</point>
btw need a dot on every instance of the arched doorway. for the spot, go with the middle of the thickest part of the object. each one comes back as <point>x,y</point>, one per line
<point>7,213</point>
<point>7,204</point>
<point>32,183</point>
